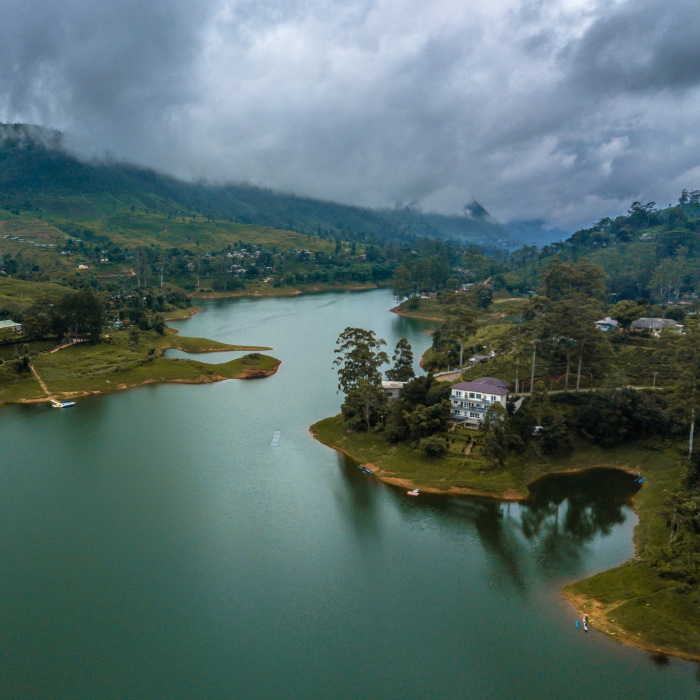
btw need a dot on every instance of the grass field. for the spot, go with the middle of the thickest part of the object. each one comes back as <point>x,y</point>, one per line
<point>15,388</point>
<point>19,295</point>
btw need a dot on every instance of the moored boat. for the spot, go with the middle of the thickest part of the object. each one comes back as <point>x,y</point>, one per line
<point>61,404</point>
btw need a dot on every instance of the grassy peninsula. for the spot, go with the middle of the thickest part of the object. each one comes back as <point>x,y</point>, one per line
<point>123,360</point>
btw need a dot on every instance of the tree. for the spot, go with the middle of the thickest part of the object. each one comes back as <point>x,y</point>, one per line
<point>423,421</point>
<point>495,432</point>
<point>539,401</point>
<point>359,358</point>
<point>364,406</point>
<point>534,330</point>
<point>560,279</point>
<point>79,313</point>
<point>613,383</point>
<point>571,328</point>
<point>432,446</point>
<point>37,319</point>
<point>480,295</point>
<point>402,360</point>
<point>685,354</point>
<point>421,409</point>
<point>402,283</point>
<point>460,322</point>
<point>625,312</point>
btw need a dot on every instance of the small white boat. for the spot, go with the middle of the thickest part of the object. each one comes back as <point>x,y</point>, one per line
<point>62,404</point>
<point>415,492</point>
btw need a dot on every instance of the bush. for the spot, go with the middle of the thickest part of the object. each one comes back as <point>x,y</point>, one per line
<point>433,446</point>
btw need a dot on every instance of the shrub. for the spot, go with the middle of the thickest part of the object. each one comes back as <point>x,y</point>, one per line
<point>432,446</point>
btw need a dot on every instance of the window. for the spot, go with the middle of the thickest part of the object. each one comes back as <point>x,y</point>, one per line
<point>478,396</point>
<point>458,394</point>
<point>472,414</point>
<point>471,394</point>
<point>494,398</point>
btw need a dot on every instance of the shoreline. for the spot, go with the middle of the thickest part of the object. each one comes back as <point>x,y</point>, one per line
<point>598,611</point>
<point>273,292</point>
<point>399,312</point>
<point>202,379</point>
<point>580,603</point>
<point>510,495</point>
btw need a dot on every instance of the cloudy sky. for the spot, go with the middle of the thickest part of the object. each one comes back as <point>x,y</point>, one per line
<point>564,110</point>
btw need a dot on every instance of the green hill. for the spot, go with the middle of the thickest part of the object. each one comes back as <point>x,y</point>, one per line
<point>39,177</point>
<point>649,253</point>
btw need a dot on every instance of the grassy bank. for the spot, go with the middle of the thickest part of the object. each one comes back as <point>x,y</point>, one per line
<point>463,468</point>
<point>425,309</point>
<point>631,603</point>
<point>121,362</point>
<point>265,289</point>
<point>181,314</point>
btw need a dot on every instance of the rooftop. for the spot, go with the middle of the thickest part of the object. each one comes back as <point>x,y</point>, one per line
<point>653,323</point>
<point>393,385</point>
<point>489,385</point>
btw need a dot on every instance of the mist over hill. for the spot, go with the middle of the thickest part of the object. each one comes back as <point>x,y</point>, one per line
<point>34,162</point>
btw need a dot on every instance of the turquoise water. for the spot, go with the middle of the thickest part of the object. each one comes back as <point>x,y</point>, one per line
<point>154,544</point>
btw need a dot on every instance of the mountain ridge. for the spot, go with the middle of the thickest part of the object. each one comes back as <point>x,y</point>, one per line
<point>34,159</point>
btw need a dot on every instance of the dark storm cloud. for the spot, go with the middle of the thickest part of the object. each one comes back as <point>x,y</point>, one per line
<point>644,46</point>
<point>104,68</point>
<point>565,110</point>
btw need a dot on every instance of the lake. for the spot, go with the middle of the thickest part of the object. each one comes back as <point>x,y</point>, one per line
<point>155,544</point>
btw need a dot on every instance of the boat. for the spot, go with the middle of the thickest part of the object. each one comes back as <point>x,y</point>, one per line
<point>61,404</point>
<point>415,492</point>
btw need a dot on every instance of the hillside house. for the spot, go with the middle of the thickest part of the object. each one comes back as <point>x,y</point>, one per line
<point>607,324</point>
<point>655,325</point>
<point>392,389</point>
<point>471,400</point>
<point>12,325</point>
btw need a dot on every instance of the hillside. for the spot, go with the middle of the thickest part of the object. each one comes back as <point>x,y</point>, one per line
<point>37,176</point>
<point>649,253</point>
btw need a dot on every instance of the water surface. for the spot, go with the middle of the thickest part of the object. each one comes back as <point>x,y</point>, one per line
<point>154,544</point>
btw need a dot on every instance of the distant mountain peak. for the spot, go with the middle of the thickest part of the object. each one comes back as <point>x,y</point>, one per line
<point>476,212</point>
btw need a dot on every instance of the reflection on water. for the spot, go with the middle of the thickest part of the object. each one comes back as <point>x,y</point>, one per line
<point>550,531</point>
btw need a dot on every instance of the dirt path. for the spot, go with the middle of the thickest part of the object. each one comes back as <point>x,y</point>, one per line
<point>451,377</point>
<point>41,381</point>
<point>65,345</point>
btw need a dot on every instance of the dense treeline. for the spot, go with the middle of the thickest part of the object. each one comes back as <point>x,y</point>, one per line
<point>649,253</point>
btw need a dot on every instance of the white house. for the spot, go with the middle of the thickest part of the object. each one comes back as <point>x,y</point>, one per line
<point>471,400</point>
<point>392,389</point>
<point>606,324</point>
<point>10,324</point>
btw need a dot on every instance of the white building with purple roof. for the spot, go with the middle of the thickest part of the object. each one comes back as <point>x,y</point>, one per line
<point>471,400</point>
